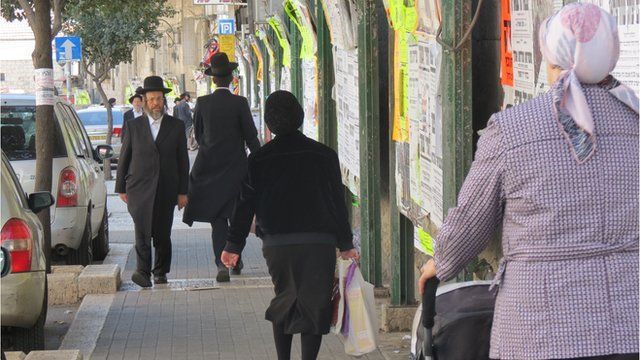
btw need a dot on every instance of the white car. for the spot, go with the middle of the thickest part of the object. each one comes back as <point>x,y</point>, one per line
<point>23,300</point>
<point>94,120</point>
<point>79,222</point>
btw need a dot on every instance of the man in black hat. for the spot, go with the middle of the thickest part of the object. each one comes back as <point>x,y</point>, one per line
<point>153,177</point>
<point>136,101</point>
<point>223,127</point>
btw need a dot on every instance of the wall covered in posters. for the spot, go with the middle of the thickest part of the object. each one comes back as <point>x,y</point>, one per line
<point>342,22</point>
<point>299,15</point>
<point>528,68</point>
<point>417,119</point>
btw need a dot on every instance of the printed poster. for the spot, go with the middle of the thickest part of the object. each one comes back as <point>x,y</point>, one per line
<point>310,98</point>
<point>345,94</point>
<point>506,50</point>
<point>227,44</point>
<point>425,119</point>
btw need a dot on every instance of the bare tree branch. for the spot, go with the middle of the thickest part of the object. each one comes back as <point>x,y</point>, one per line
<point>86,68</point>
<point>28,12</point>
<point>57,17</point>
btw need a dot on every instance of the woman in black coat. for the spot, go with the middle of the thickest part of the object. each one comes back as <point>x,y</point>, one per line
<point>295,190</point>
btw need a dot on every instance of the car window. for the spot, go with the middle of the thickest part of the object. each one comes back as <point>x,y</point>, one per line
<point>82,131</point>
<point>77,142</point>
<point>14,184</point>
<point>99,118</point>
<point>18,132</point>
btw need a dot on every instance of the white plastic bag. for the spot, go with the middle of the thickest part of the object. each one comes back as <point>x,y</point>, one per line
<point>359,325</point>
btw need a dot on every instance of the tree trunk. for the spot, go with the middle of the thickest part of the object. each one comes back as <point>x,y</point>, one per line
<point>105,101</point>
<point>42,59</point>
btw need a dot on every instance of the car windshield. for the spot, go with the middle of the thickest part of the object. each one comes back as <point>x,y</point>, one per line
<point>18,132</point>
<point>99,117</point>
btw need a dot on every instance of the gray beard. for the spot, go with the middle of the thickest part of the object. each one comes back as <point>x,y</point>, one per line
<point>155,115</point>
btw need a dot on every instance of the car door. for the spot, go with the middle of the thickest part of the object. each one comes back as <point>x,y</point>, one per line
<point>97,188</point>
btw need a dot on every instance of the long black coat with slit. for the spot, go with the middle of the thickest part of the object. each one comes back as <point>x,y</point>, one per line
<point>223,126</point>
<point>152,173</point>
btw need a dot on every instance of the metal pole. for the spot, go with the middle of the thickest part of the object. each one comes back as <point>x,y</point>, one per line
<point>68,74</point>
<point>369,96</point>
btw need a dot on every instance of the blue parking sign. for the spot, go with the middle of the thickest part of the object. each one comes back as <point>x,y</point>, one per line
<point>226,26</point>
<point>68,48</point>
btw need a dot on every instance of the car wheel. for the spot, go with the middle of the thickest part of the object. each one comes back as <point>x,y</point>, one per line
<point>101,242</point>
<point>28,339</point>
<point>84,254</point>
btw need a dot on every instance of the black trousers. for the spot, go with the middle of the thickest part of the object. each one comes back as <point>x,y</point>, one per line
<point>220,231</point>
<point>161,236</point>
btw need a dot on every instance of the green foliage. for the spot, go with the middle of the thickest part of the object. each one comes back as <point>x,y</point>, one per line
<point>11,10</point>
<point>111,29</point>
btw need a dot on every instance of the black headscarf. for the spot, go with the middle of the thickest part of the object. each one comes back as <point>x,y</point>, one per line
<point>283,113</point>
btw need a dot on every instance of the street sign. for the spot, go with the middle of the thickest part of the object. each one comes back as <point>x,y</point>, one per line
<point>68,48</point>
<point>226,26</point>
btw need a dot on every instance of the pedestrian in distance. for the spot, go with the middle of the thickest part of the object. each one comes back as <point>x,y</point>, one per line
<point>294,189</point>
<point>182,111</point>
<point>152,178</point>
<point>224,128</point>
<point>559,174</point>
<point>136,101</point>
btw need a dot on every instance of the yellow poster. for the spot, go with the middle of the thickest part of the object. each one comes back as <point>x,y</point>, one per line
<point>258,54</point>
<point>227,45</point>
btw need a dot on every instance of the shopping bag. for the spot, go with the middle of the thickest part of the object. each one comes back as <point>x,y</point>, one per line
<point>359,323</point>
<point>253,226</point>
<point>338,297</point>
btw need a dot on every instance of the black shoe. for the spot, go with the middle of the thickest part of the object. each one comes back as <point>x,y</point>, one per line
<point>160,279</point>
<point>141,279</point>
<point>237,270</point>
<point>223,274</point>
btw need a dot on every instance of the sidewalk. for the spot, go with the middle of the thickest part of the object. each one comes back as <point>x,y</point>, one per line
<point>193,317</point>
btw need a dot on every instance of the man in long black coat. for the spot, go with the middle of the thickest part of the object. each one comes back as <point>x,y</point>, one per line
<point>223,127</point>
<point>153,174</point>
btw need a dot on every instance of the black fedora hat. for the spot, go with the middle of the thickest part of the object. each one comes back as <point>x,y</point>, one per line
<point>220,65</point>
<point>137,94</point>
<point>153,83</point>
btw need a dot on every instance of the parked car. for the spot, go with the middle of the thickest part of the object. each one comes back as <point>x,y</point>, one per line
<point>79,223</point>
<point>94,120</point>
<point>23,300</point>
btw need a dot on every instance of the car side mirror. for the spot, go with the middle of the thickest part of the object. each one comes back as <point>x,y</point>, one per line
<point>5,262</point>
<point>41,200</point>
<point>104,152</point>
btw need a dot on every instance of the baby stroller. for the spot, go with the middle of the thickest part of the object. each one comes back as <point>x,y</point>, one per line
<point>453,322</point>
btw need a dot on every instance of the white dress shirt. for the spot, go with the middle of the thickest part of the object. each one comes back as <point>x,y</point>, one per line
<point>136,114</point>
<point>155,126</point>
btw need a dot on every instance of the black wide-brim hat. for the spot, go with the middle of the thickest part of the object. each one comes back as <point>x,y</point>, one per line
<point>138,94</point>
<point>153,83</point>
<point>220,65</point>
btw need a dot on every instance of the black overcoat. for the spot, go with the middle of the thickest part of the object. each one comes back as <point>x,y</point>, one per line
<point>126,117</point>
<point>223,126</point>
<point>152,173</point>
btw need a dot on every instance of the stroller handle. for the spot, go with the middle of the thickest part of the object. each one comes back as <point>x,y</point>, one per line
<point>429,302</point>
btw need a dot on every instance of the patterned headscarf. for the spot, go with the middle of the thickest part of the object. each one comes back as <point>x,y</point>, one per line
<point>582,39</point>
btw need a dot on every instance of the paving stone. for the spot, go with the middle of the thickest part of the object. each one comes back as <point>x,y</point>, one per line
<point>74,269</point>
<point>99,279</point>
<point>397,318</point>
<point>15,355</point>
<point>63,288</point>
<point>55,355</point>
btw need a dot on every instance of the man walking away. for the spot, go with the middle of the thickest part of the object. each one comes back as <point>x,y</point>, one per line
<point>182,111</point>
<point>223,127</point>
<point>136,101</point>
<point>153,174</point>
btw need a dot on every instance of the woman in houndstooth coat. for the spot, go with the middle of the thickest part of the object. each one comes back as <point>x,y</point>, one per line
<point>560,175</point>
